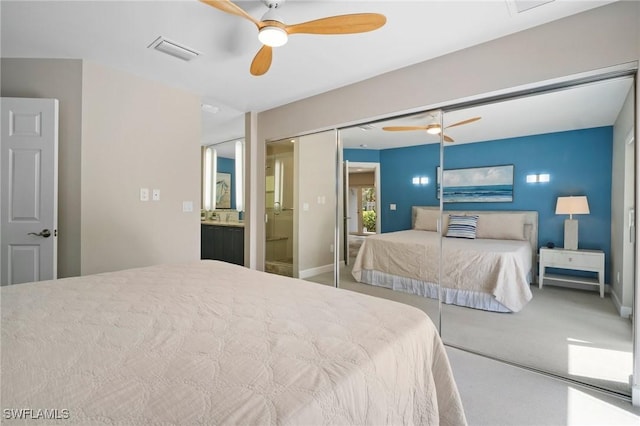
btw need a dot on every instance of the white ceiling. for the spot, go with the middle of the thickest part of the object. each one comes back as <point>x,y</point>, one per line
<point>117,33</point>
<point>590,105</point>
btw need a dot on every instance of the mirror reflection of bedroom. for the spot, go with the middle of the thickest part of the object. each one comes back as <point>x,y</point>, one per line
<point>539,184</point>
<point>405,163</point>
<point>567,171</point>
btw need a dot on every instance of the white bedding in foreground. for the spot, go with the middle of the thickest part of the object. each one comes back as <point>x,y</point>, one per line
<point>475,273</point>
<point>215,343</point>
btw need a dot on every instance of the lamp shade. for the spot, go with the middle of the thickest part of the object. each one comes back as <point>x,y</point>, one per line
<point>572,205</point>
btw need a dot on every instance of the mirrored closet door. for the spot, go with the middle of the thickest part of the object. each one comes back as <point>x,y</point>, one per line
<point>300,204</point>
<point>538,200</point>
<point>389,171</point>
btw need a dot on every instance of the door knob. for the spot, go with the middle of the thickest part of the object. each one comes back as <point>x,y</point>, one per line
<point>44,233</point>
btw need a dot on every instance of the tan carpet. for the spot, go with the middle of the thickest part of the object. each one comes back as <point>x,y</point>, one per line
<point>571,333</point>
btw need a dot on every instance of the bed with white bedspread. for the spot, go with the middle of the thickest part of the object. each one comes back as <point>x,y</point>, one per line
<point>491,272</point>
<point>214,343</point>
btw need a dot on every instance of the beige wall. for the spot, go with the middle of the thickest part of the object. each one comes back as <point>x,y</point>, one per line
<point>316,202</point>
<point>622,200</point>
<point>117,133</point>
<point>137,133</point>
<point>596,39</point>
<point>60,79</point>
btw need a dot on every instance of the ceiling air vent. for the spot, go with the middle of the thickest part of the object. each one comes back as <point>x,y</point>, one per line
<point>519,6</point>
<point>174,49</point>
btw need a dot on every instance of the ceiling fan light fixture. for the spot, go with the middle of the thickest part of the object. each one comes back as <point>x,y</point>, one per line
<point>434,129</point>
<point>273,36</point>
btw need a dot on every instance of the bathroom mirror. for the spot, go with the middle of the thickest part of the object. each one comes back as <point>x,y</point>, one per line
<point>223,181</point>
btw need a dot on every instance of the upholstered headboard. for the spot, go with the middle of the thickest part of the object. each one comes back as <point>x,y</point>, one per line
<point>530,231</point>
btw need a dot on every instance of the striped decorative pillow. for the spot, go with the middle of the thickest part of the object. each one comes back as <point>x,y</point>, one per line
<point>462,226</point>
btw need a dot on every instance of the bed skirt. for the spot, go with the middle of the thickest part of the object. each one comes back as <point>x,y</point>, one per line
<point>451,296</point>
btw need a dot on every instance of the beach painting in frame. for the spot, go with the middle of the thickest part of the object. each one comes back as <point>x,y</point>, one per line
<point>223,191</point>
<point>477,185</point>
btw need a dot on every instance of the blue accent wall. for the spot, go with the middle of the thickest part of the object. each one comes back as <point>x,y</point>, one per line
<point>578,162</point>
<point>228,165</point>
<point>398,166</point>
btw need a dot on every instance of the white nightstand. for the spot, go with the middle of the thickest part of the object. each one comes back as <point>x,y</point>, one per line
<point>577,260</point>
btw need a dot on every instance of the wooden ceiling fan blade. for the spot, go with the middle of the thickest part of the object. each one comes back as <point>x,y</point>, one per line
<point>341,24</point>
<point>403,128</point>
<point>229,7</point>
<point>460,123</point>
<point>447,138</point>
<point>262,61</point>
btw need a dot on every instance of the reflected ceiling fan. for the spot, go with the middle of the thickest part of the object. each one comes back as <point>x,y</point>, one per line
<point>272,32</point>
<point>433,128</point>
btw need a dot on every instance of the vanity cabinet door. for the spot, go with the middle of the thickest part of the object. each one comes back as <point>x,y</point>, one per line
<point>224,243</point>
<point>206,242</point>
<point>236,237</point>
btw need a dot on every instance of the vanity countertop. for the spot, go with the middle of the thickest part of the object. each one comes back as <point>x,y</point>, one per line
<point>215,222</point>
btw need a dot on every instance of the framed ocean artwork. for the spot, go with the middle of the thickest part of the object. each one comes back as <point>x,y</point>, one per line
<point>492,184</point>
<point>223,190</point>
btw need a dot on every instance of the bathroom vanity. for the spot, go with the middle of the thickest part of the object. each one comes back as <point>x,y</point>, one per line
<point>222,241</point>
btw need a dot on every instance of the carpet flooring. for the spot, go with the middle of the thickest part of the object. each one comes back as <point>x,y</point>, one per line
<point>570,333</point>
<point>495,394</point>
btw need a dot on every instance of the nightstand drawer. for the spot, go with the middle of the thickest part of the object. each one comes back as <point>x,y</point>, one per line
<point>569,259</point>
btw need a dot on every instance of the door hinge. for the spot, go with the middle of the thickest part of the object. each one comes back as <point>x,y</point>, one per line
<point>55,232</point>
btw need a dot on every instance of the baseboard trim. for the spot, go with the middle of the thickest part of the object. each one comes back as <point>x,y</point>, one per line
<point>315,271</point>
<point>624,311</point>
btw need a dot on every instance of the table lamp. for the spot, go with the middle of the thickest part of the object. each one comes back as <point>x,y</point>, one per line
<point>571,206</point>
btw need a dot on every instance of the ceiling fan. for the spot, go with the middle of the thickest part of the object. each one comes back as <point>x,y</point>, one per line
<point>272,32</point>
<point>433,128</point>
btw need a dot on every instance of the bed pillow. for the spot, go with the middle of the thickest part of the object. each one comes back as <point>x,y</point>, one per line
<point>426,220</point>
<point>462,226</point>
<point>501,226</point>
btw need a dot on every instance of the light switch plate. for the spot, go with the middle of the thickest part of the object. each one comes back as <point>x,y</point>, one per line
<point>187,206</point>
<point>144,194</point>
<point>392,206</point>
<point>156,195</point>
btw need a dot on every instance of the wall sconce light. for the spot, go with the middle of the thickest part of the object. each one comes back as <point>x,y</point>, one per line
<point>420,180</point>
<point>538,178</point>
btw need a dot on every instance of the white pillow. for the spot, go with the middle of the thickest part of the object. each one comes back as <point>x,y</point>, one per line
<point>501,226</point>
<point>426,220</point>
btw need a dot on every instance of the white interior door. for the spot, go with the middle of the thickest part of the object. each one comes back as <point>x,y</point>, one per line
<point>28,190</point>
<point>353,207</point>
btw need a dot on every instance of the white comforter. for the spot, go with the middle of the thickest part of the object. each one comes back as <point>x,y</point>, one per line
<point>214,343</point>
<point>498,268</point>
